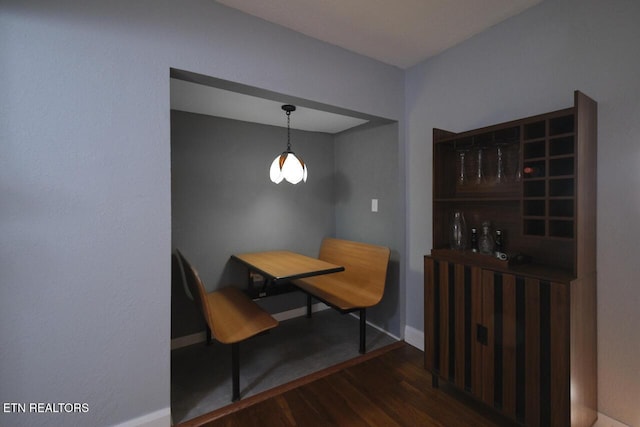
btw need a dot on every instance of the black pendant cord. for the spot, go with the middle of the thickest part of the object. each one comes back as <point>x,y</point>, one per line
<point>288,108</point>
<point>288,132</point>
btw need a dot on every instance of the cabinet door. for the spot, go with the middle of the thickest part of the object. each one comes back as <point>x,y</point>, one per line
<point>525,361</point>
<point>453,306</point>
<point>464,320</point>
<point>503,352</point>
<point>496,342</point>
<point>525,358</point>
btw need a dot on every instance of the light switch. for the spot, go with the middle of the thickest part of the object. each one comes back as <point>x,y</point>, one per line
<point>374,205</point>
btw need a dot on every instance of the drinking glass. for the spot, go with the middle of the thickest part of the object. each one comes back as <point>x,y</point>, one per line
<point>500,166</point>
<point>462,177</point>
<point>479,178</point>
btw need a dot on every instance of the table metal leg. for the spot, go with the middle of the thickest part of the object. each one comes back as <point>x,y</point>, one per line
<point>363,330</point>
<point>235,371</point>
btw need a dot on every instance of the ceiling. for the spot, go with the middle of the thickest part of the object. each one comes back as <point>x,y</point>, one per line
<point>401,33</point>
<point>214,101</point>
<point>397,32</point>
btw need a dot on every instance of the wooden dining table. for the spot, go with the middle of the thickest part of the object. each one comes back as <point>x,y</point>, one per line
<point>280,267</point>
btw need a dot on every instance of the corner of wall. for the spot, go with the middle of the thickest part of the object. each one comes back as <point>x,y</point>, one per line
<point>414,337</point>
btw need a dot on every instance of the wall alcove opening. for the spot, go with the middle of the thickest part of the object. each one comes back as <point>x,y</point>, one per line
<point>223,202</point>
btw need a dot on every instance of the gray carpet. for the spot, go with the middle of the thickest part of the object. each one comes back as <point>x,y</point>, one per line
<point>201,375</point>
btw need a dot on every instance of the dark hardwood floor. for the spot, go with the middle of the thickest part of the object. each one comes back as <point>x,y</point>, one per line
<point>387,387</point>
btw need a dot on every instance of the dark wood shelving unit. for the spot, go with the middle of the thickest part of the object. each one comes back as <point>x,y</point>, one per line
<point>519,336</point>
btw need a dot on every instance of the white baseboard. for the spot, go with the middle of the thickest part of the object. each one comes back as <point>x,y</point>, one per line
<point>414,336</point>
<point>188,340</point>
<point>299,312</point>
<point>161,418</point>
<point>604,421</point>
<point>376,327</point>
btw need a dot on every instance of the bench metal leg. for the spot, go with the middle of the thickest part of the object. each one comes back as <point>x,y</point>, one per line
<point>235,371</point>
<point>208,336</point>
<point>308,306</point>
<point>363,330</point>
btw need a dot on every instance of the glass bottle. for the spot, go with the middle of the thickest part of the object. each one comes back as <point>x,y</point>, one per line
<point>458,232</point>
<point>499,244</point>
<point>474,240</point>
<point>485,242</point>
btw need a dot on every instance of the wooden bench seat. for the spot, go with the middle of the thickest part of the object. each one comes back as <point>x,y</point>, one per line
<point>230,315</point>
<point>358,287</point>
<point>233,317</point>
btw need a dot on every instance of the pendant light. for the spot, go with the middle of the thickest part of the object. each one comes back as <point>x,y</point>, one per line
<point>286,165</point>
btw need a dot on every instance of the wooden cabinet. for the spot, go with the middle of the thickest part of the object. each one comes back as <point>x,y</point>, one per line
<point>520,337</point>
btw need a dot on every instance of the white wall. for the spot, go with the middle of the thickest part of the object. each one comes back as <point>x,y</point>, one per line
<point>85,183</point>
<point>527,65</point>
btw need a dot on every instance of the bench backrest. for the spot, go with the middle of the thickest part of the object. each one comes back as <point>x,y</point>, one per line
<point>365,264</point>
<point>194,288</point>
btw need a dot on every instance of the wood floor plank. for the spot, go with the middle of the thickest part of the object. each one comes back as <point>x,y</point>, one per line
<point>402,404</point>
<point>323,394</point>
<point>361,401</point>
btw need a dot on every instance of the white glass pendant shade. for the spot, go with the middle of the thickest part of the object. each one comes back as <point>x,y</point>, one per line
<point>274,172</point>
<point>288,167</point>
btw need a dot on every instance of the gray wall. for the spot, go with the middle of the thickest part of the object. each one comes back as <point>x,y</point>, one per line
<point>367,167</point>
<point>85,216</point>
<point>223,201</point>
<point>527,65</point>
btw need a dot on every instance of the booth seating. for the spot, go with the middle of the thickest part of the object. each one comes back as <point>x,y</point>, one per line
<point>358,287</point>
<point>229,314</point>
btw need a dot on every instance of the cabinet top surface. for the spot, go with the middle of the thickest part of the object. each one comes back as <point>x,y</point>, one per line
<point>542,272</point>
